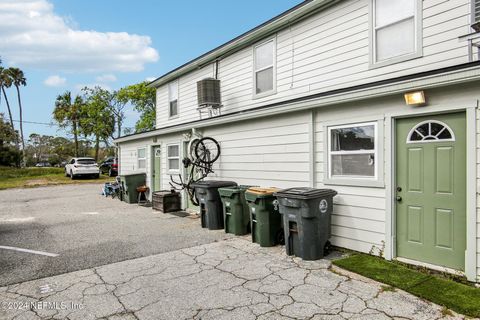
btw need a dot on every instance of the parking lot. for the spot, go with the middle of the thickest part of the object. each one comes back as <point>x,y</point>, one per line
<point>53,230</point>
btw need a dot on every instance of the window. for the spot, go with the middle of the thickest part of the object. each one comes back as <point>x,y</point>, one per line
<point>142,158</point>
<point>430,131</point>
<point>476,15</point>
<point>396,24</point>
<point>173,157</point>
<point>352,151</point>
<point>264,68</point>
<point>173,99</point>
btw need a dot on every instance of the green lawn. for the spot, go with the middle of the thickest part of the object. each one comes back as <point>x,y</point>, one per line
<point>35,177</point>
<point>456,296</point>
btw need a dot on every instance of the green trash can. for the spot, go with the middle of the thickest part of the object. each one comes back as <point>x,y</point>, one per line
<point>129,184</point>
<point>236,215</point>
<point>266,221</point>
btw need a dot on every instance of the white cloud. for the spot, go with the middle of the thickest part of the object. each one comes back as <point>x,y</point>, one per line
<point>150,79</point>
<point>55,81</point>
<point>106,78</point>
<point>32,35</point>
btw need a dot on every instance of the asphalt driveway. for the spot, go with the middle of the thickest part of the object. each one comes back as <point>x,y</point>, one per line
<point>74,228</point>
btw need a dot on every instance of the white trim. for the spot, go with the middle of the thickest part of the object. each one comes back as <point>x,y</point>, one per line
<point>471,218</point>
<point>173,171</point>
<point>273,66</point>
<point>471,179</point>
<point>414,128</point>
<point>429,82</point>
<point>366,181</point>
<point>373,63</point>
<point>312,148</point>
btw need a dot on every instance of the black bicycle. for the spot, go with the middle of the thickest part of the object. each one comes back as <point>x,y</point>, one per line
<point>202,153</point>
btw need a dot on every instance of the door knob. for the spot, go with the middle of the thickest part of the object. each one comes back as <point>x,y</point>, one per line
<point>398,198</point>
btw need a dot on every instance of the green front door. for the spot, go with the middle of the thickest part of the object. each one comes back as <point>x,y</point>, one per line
<point>156,162</point>
<point>430,189</point>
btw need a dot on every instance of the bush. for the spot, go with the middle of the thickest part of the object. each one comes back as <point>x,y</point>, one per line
<point>9,156</point>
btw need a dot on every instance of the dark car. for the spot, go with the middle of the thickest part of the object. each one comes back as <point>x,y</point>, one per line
<point>109,166</point>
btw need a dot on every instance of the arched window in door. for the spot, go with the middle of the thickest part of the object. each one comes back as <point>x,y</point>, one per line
<point>430,131</point>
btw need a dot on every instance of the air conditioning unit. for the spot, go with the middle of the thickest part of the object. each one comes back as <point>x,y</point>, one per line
<point>208,92</point>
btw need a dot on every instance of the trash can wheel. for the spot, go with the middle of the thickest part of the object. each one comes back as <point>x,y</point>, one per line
<point>327,248</point>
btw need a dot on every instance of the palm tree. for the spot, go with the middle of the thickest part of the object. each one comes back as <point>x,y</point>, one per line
<point>18,79</point>
<point>6,82</point>
<point>66,114</point>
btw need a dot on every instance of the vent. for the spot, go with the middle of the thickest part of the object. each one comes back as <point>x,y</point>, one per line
<point>476,15</point>
<point>208,92</point>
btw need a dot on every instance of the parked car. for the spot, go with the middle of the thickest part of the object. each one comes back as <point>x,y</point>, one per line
<point>109,166</point>
<point>82,167</point>
<point>43,164</point>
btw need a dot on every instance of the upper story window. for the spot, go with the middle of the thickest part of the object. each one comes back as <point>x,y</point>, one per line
<point>142,158</point>
<point>396,30</point>
<point>476,15</point>
<point>173,99</point>
<point>264,68</point>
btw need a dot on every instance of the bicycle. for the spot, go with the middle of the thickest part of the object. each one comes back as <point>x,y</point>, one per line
<point>202,153</point>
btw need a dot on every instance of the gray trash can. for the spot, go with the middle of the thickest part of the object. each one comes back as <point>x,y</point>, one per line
<point>306,220</point>
<point>211,208</point>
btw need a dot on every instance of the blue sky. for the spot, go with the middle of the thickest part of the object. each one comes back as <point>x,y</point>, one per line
<point>66,44</point>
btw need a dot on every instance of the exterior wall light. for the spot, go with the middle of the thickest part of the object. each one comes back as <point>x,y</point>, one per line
<point>416,98</point>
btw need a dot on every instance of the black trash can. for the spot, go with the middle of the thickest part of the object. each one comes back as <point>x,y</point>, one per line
<point>306,220</point>
<point>211,208</point>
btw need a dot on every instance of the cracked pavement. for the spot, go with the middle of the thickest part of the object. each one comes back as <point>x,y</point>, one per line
<point>231,279</point>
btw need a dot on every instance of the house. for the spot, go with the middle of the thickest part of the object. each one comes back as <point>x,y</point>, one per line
<point>376,99</point>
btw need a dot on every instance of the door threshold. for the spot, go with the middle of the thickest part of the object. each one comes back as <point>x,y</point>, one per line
<point>431,266</point>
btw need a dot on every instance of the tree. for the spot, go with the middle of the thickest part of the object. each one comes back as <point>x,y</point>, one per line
<point>9,155</point>
<point>97,117</point>
<point>142,98</point>
<point>18,79</point>
<point>6,82</point>
<point>67,114</point>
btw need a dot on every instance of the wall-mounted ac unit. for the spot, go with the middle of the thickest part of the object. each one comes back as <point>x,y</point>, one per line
<point>476,15</point>
<point>208,92</point>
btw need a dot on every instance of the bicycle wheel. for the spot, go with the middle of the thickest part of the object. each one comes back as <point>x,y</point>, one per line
<point>191,148</point>
<point>207,150</point>
<point>191,195</point>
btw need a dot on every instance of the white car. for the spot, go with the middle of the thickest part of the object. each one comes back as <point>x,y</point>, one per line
<point>82,167</point>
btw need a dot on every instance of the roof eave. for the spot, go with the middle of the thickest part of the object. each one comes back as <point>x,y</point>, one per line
<point>245,39</point>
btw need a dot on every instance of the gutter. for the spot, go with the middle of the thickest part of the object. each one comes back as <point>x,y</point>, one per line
<point>424,80</point>
<point>301,11</point>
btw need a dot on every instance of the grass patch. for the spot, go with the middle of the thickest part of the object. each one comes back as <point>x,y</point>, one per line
<point>456,296</point>
<point>36,177</point>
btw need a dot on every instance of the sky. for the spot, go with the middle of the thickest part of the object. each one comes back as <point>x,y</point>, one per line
<point>69,44</point>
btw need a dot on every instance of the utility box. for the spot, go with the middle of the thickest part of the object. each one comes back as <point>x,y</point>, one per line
<point>236,216</point>
<point>306,220</point>
<point>266,221</point>
<point>129,184</point>
<point>211,209</point>
<point>166,201</point>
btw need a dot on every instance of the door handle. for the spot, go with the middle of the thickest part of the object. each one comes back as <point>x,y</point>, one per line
<point>398,198</point>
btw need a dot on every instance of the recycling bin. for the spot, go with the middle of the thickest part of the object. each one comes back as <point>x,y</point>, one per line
<point>266,221</point>
<point>236,216</point>
<point>306,220</point>
<point>210,204</point>
<point>129,184</point>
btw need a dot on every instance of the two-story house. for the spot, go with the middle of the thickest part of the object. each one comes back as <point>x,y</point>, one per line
<point>377,99</point>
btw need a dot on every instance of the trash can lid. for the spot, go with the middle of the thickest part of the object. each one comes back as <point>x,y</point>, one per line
<point>235,189</point>
<point>262,191</point>
<point>206,184</point>
<point>305,193</point>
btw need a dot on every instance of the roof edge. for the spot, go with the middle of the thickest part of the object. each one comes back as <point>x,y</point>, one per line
<point>293,14</point>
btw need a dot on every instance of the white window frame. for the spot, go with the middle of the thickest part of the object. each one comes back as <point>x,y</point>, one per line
<point>173,171</point>
<point>474,4</point>
<point>273,66</point>
<point>418,37</point>
<point>144,158</point>
<point>176,82</point>
<point>364,181</point>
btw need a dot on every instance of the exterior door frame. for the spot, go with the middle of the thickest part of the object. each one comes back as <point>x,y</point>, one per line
<point>471,180</point>
<point>152,165</point>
